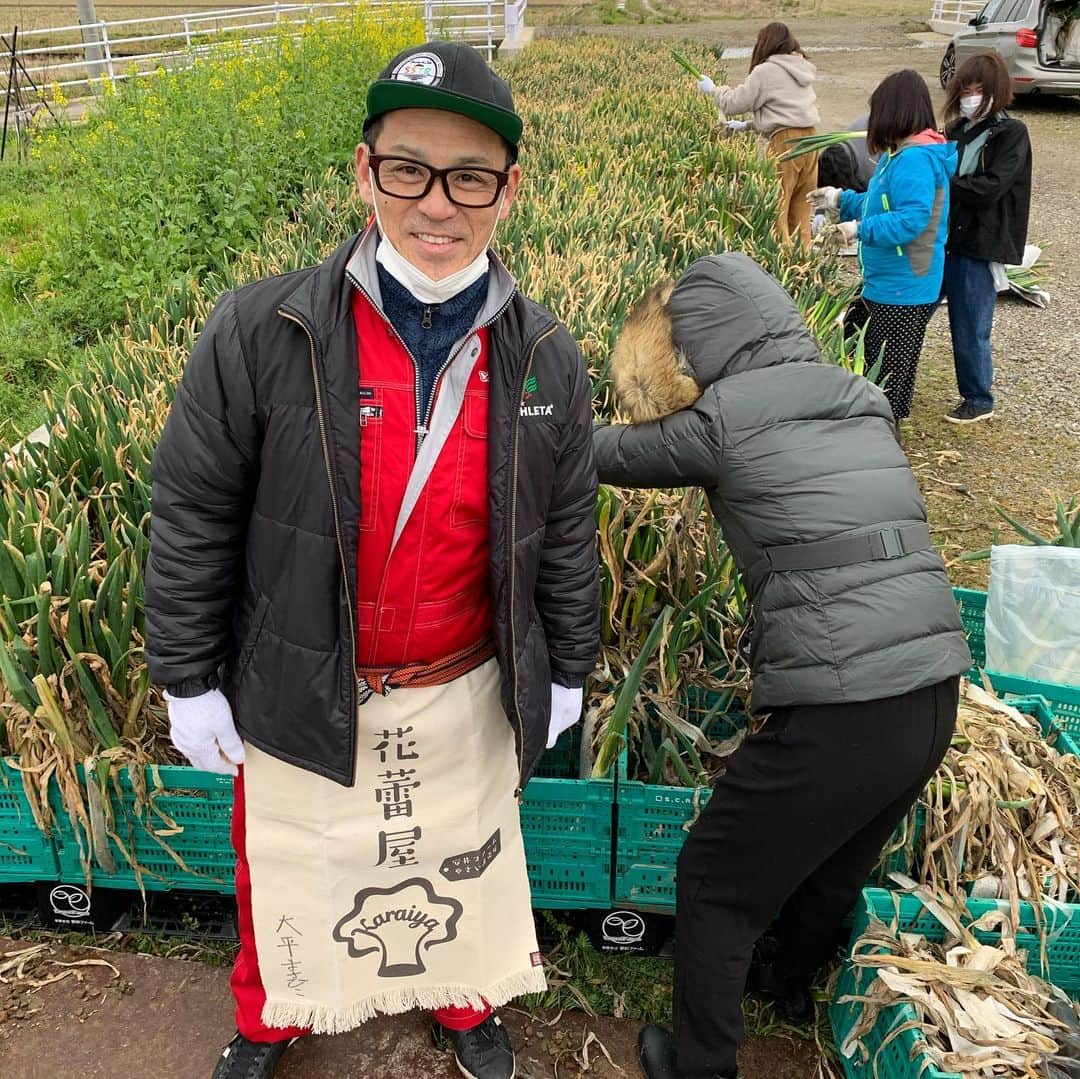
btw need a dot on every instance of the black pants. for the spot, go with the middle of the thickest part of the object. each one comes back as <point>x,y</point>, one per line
<point>900,330</point>
<point>793,828</point>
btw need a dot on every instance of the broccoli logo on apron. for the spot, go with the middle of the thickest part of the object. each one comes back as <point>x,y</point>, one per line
<point>401,923</point>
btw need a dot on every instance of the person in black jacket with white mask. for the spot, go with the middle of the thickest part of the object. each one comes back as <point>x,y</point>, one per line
<point>372,589</point>
<point>988,222</point>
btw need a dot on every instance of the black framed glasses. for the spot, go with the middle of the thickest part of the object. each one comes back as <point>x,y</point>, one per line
<point>403,178</point>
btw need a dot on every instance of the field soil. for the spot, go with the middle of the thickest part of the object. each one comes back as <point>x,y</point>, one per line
<point>170,1017</point>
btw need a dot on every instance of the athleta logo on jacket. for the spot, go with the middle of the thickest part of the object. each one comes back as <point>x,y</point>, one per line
<point>531,386</point>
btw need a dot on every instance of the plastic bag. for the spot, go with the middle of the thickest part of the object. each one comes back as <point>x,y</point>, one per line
<point>1033,613</point>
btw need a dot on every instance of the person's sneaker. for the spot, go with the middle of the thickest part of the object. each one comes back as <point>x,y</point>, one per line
<point>482,1052</point>
<point>243,1059</point>
<point>966,412</point>
<point>656,1052</point>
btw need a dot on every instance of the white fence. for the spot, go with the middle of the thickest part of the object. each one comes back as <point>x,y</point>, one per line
<point>74,57</point>
<point>947,15</point>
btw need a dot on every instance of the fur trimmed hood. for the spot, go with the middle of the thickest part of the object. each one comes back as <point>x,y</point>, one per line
<point>723,316</point>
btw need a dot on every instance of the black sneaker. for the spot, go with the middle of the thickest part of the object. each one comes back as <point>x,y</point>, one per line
<point>966,412</point>
<point>482,1052</point>
<point>243,1059</point>
<point>656,1051</point>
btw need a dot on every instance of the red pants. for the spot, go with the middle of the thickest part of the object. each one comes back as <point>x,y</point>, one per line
<point>246,983</point>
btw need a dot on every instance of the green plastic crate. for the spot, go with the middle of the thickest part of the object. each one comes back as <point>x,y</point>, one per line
<point>1064,701</point>
<point>972,605</point>
<point>200,804</point>
<point>566,825</point>
<point>26,854</point>
<point>561,761</point>
<point>651,819</point>
<point>901,1056</point>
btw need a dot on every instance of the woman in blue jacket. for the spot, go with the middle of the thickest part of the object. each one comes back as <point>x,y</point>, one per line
<point>901,222</point>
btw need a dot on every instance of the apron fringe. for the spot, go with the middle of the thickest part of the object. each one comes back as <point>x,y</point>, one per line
<point>322,1019</point>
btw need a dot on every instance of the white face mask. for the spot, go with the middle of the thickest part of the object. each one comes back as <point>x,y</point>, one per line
<point>423,287</point>
<point>970,104</point>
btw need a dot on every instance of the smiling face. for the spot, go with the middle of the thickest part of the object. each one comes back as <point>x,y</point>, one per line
<point>435,235</point>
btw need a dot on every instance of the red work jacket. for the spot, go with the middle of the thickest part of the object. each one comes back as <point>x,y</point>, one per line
<point>429,597</point>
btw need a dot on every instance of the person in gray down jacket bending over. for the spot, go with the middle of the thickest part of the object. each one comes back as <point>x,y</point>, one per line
<point>855,644</point>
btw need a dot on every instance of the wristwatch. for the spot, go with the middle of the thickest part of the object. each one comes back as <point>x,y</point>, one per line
<point>194,687</point>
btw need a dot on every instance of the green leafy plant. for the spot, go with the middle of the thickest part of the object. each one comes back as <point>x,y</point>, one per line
<point>1066,518</point>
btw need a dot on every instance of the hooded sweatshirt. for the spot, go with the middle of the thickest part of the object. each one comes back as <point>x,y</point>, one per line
<point>779,93</point>
<point>904,221</point>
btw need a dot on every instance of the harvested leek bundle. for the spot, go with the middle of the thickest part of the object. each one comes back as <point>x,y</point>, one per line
<point>1002,814</point>
<point>683,62</point>
<point>672,607</point>
<point>1029,279</point>
<point>980,1011</point>
<point>812,144</point>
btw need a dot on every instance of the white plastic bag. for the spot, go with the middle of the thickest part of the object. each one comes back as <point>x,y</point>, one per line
<point>1033,613</point>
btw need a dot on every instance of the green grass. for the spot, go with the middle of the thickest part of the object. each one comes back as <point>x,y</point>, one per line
<point>167,178</point>
<point>214,953</point>
<point>28,341</point>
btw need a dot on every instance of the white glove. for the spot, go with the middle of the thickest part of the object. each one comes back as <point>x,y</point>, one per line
<point>565,710</point>
<point>706,85</point>
<point>737,125</point>
<point>824,198</point>
<point>202,729</point>
<point>849,230</point>
<point>817,224</point>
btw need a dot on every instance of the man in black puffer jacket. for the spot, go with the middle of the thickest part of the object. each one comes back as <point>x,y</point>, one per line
<point>855,641</point>
<point>392,697</point>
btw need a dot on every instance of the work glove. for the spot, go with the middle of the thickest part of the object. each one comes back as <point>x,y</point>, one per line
<point>849,231</point>
<point>565,711</point>
<point>706,85</point>
<point>202,729</point>
<point>842,235</point>
<point>824,198</point>
<point>737,125</point>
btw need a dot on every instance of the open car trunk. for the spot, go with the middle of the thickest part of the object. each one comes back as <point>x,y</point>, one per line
<point>1059,35</point>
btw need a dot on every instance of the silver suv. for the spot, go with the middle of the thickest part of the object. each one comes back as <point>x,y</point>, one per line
<point>1038,39</point>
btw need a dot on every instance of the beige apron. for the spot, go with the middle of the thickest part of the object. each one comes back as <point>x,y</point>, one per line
<point>407,890</point>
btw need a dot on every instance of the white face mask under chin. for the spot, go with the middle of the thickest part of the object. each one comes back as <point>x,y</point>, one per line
<point>970,105</point>
<point>423,287</point>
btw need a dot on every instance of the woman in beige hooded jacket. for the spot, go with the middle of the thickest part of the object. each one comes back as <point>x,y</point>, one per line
<point>779,95</point>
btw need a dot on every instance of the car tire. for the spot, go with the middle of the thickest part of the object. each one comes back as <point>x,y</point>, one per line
<point>948,67</point>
